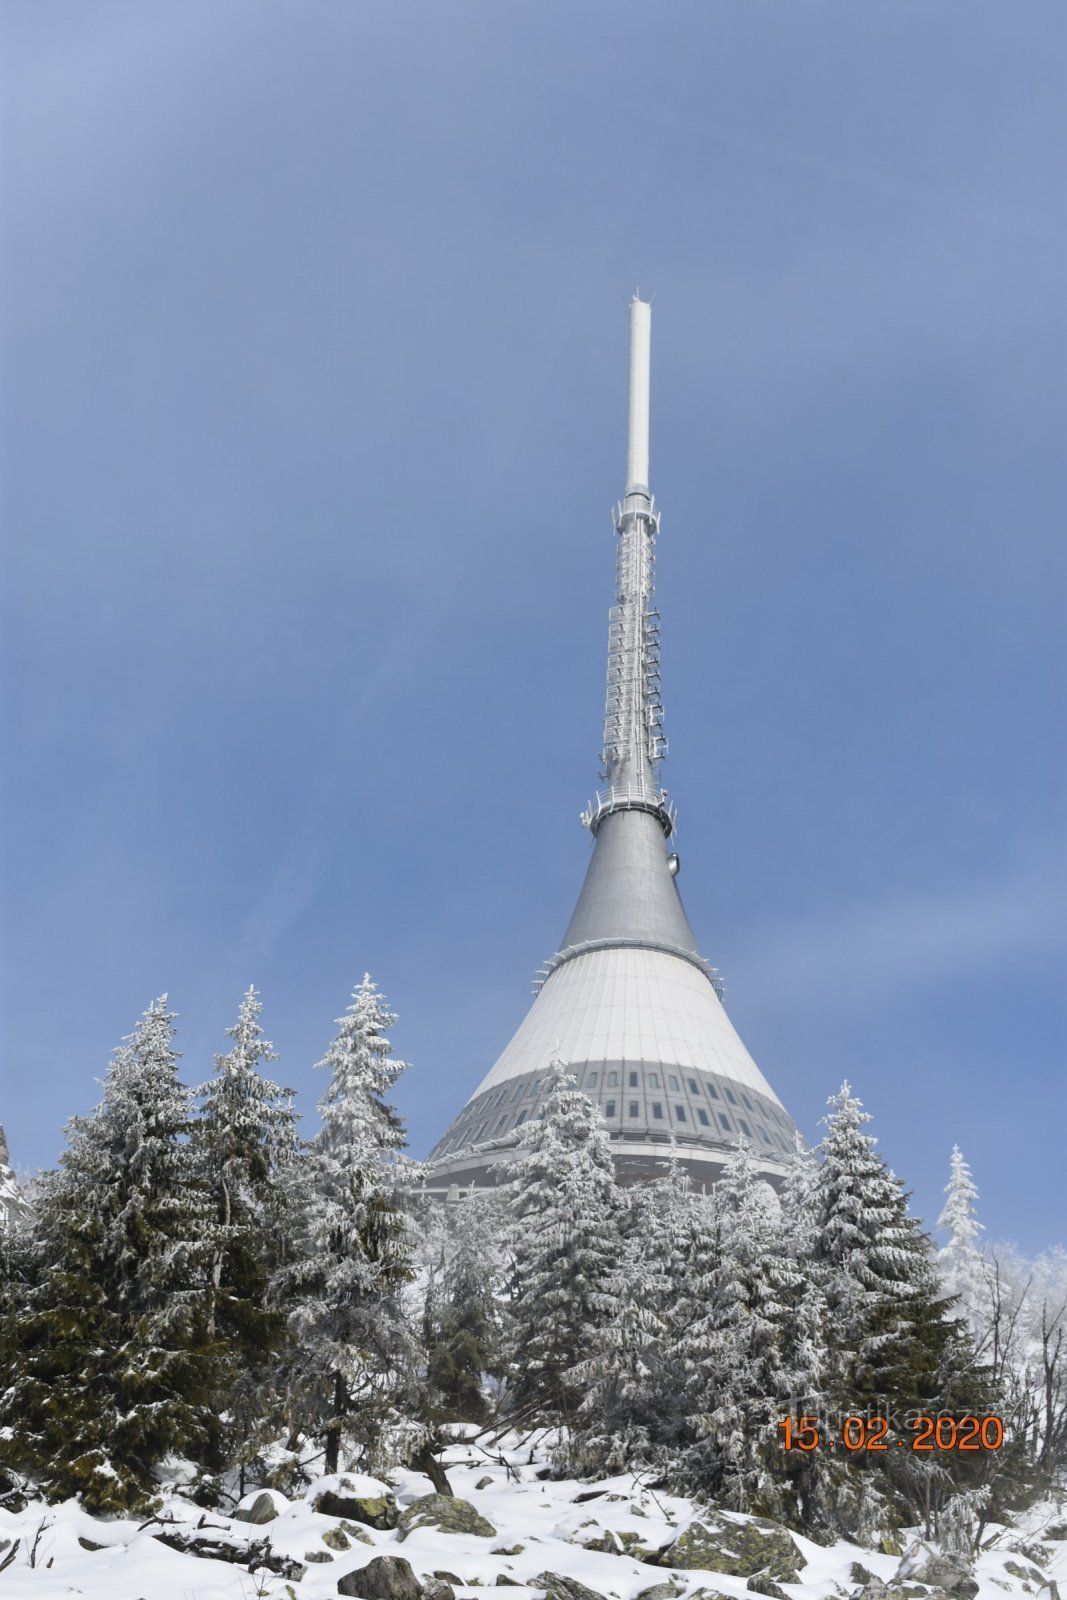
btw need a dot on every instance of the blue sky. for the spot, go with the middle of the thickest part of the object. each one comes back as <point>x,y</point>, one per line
<point>314,324</point>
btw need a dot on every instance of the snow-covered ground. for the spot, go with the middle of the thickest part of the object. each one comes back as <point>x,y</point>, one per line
<point>539,1527</point>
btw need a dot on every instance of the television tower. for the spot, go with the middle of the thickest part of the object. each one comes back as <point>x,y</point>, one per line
<point>627,1002</point>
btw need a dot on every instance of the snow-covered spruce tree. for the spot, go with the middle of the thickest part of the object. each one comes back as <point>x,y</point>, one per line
<point>16,1269</point>
<point>567,1220</point>
<point>245,1139</point>
<point>113,1369</point>
<point>737,1385</point>
<point>892,1349</point>
<point>960,1260</point>
<point>632,1415</point>
<point>462,1318</point>
<point>804,1477</point>
<point>619,1423</point>
<point>353,1351</point>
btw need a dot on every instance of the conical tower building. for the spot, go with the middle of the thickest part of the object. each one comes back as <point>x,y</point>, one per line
<point>628,1003</point>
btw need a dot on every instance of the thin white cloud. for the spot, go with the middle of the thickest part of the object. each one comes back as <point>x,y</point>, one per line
<point>909,941</point>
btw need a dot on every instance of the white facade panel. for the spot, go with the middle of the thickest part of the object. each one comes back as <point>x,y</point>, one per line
<point>625,1004</point>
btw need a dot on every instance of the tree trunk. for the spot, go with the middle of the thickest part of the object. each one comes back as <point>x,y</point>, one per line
<point>333,1427</point>
<point>427,1462</point>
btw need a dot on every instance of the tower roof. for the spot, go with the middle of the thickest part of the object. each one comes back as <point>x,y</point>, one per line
<point>628,1003</point>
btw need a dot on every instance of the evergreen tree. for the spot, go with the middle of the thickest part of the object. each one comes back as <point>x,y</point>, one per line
<point>804,1477</point>
<point>353,1348</point>
<point>737,1384</point>
<point>113,1369</point>
<point>246,1141</point>
<point>565,1243</point>
<point>463,1324</point>
<point>16,1269</point>
<point>960,1260</point>
<point>892,1349</point>
<point>875,1266</point>
<point>621,1421</point>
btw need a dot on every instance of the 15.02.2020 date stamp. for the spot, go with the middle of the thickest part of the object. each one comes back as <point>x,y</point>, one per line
<point>872,1433</point>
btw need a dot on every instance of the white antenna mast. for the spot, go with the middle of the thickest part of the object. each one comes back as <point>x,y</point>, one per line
<point>640,365</point>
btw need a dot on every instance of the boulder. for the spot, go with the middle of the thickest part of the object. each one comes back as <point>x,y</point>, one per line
<point>504,1582</point>
<point>557,1587</point>
<point>921,1564</point>
<point>373,1510</point>
<point>359,1534</point>
<point>336,1539</point>
<point>445,1512</point>
<point>741,1550</point>
<point>873,1589</point>
<point>86,1544</point>
<point>448,1577</point>
<point>259,1510</point>
<point>384,1578</point>
<point>507,1549</point>
<point>590,1535</point>
<point>662,1591</point>
<point>1056,1530</point>
<point>707,1594</point>
<point>437,1588</point>
<point>484,1483</point>
<point>1025,1574</point>
<point>762,1585</point>
<point>317,1556</point>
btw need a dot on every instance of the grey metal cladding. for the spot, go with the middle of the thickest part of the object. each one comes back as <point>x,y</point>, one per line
<point>629,893</point>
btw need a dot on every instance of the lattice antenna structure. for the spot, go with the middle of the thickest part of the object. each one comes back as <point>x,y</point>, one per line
<point>634,740</point>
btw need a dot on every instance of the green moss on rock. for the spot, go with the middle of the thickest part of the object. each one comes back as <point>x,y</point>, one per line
<point>450,1515</point>
<point>741,1550</point>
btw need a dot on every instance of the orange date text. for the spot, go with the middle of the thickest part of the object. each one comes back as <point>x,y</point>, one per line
<point>872,1433</point>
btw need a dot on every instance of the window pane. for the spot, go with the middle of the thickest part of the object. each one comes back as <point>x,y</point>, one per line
<point>613,1080</point>
<point>592,1080</point>
<point>679,1113</point>
<point>635,1109</point>
<point>672,1082</point>
<point>702,1114</point>
<point>745,1129</point>
<point>609,1109</point>
<point>724,1119</point>
<point>694,1087</point>
<point>653,1080</point>
<point>731,1097</point>
<point>657,1110</point>
<point>633,1080</point>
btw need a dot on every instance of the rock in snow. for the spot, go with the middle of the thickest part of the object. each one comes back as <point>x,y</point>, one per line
<point>558,1587</point>
<point>449,1514</point>
<point>262,1509</point>
<point>384,1578</point>
<point>373,1510</point>
<point>920,1564</point>
<point>713,1543</point>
